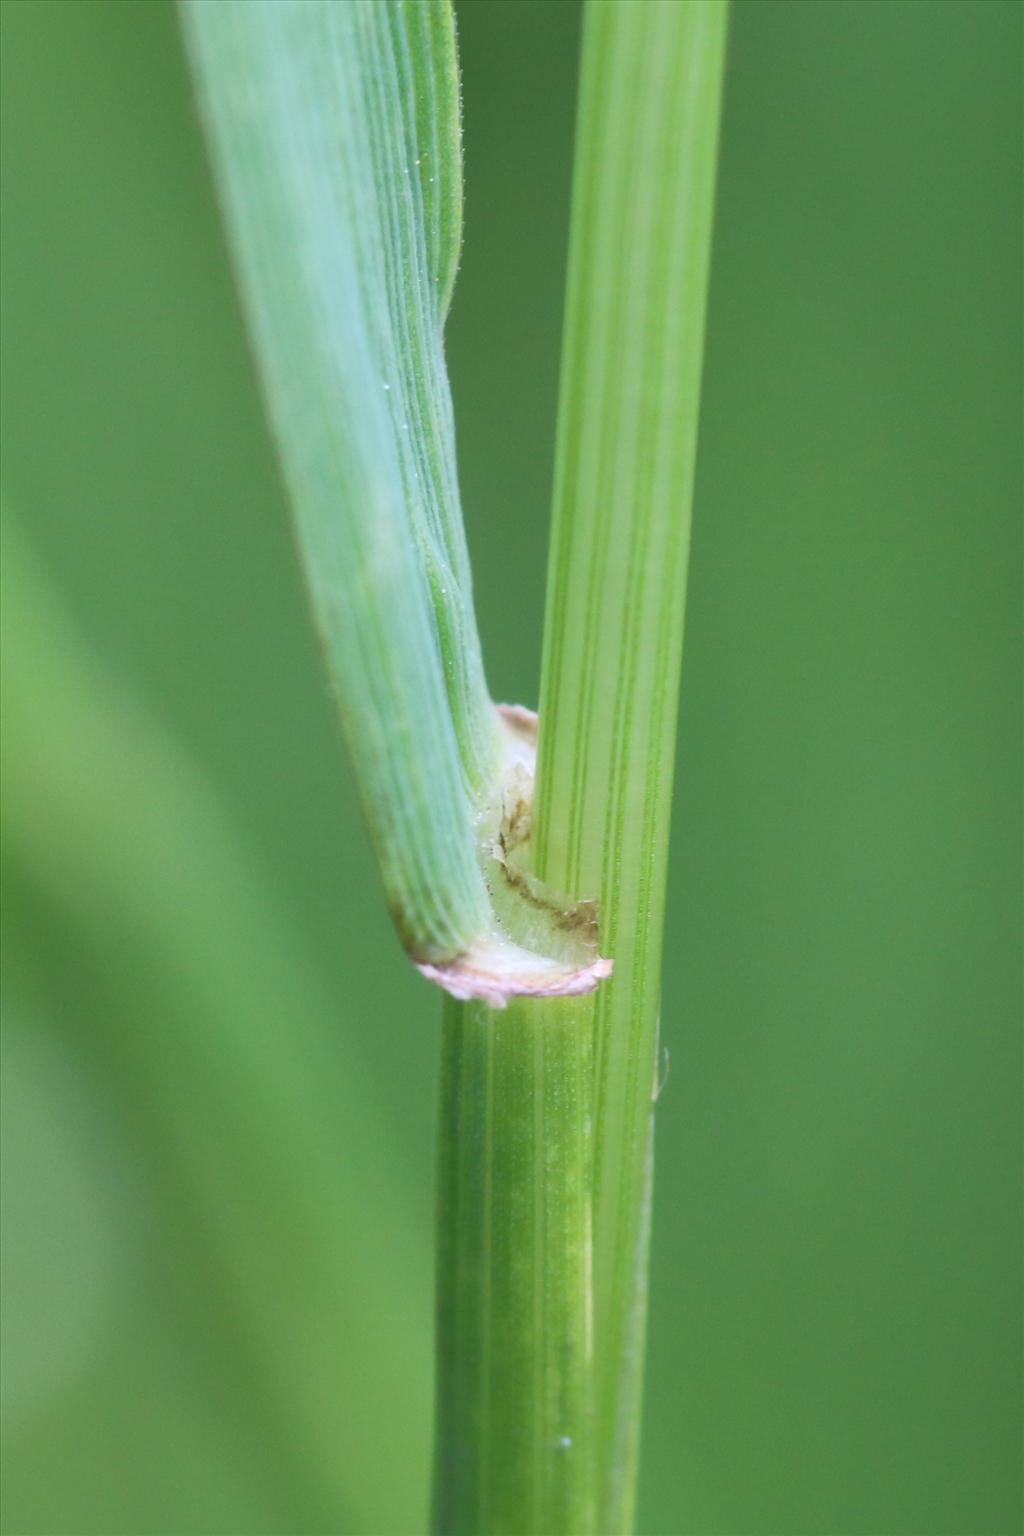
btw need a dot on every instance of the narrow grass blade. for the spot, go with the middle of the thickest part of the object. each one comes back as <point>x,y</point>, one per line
<point>342,200</point>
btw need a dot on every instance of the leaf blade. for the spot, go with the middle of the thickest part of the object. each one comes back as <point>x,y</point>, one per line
<point>308,108</point>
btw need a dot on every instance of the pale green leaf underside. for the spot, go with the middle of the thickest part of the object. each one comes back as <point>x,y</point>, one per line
<point>334,130</point>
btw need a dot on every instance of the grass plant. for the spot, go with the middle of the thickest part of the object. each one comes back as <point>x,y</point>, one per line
<point>218,1073</point>
<point>518,877</point>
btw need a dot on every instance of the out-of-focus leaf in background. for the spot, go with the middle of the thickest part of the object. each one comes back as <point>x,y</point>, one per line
<point>835,1304</point>
<point>213,1029</point>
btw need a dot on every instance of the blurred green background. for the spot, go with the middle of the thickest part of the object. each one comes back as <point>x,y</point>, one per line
<point>219,1077</point>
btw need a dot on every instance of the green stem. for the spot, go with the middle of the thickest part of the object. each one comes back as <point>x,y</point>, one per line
<point>641,231</point>
<point>546,1120</point>
<point>513,1431</point>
